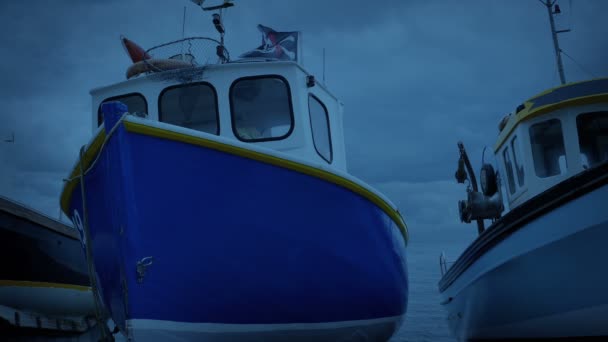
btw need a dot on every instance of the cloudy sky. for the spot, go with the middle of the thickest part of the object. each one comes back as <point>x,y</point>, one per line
<point>415,77</point>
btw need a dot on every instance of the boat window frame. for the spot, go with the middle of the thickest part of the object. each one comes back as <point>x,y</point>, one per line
<point>182,85</point>
<point>519,166</point>
<point>595,113</point>
<point>512,186</point>
<point>564,146</point>
<point>117,98</point>
<point>289,98</point>
<point>312,130</point>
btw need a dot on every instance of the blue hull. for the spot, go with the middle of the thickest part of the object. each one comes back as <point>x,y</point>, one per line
<point>234,240</point>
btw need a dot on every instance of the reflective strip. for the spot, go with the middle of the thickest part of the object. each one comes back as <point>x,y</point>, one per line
<point>25,283</point>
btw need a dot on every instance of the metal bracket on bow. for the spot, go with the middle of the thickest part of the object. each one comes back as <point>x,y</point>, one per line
<point>141,267</point>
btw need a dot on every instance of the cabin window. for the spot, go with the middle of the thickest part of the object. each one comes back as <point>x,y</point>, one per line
<point>593,137</point>
<point>135,102</point>
<point>319,123</point>
<point>192,105</point>
<point>261,108</point>
<point>548,149</point>
<point>509,169</point>
<point>519,168</point>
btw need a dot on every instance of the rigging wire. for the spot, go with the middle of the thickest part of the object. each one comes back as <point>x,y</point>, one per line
<point>578,64</point>
<point>570,14</point>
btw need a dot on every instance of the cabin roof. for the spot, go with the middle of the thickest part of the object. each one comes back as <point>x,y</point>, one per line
<point>571,94</point>
<point>257,66</point>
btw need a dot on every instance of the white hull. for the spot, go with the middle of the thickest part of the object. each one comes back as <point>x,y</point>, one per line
<point>47,307</point>
<point>363,330</point>
<point>589,322</point>
<point>545,280</point>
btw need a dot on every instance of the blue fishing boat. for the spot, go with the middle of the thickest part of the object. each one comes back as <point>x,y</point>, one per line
<point>214,203</point>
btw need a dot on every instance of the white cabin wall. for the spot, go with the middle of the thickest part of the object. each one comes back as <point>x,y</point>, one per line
<point>334,109</point>
<point>222,88</point>
<point>574,146</point>
<point>524,158</point>
<point>149,90</point>
<point>304,148</point>
<point>538,184</point>
<point>340,145</point>
<point>534,185</point>
<point>504,180</point>
<point>299,144</point>
<point>571,144</point>
<point>296,144</point>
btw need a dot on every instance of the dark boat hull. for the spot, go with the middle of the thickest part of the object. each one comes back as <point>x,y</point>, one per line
<point>43,273</point>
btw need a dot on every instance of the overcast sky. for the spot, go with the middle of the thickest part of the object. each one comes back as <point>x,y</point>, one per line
<point>415,77</point>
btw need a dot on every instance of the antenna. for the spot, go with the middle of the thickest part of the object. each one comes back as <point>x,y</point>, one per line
<point>183,34</point>
<point>552,10</point>
<point>324,66</point>
<point>184,23</point>
<point>219,26</point>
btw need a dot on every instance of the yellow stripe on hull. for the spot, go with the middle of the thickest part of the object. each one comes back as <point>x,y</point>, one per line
<point>529,113</point>
<point>24,283</point>
<point>138,128</point>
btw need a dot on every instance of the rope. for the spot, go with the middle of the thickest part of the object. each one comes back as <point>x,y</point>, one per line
<point>570,14</point>
<point>180,40</point>
<point>151,67</point>
<point>114,128</point>
<point>103,328</point>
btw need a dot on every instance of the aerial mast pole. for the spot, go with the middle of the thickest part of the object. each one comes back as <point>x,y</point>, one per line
<point>219,26</point>
<point>558,52</point>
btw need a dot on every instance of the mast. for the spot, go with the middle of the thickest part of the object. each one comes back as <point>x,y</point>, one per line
<point>558,52</point>
<point>219,26</point>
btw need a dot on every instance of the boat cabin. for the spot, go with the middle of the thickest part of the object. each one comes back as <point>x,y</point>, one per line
<point>272,104</point>
<point>552,137</point>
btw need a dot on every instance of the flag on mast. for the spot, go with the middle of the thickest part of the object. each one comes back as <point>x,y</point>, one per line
<point>279,45</point>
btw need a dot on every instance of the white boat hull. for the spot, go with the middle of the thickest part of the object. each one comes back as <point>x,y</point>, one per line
<point>51,299</point>
<point>545,280</point>
<point>362,330</point>
<point>47,307</point>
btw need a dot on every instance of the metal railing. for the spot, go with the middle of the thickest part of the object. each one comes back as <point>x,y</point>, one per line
<point>444,264</point>
<point>194,50</point>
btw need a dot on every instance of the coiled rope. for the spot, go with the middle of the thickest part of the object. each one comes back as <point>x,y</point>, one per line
<point>106,335</point>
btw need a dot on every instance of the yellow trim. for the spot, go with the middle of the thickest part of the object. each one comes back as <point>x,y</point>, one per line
<point>93,149</point>
<point>527,114</point>
<point>89,155</point>
<point>25,283</point>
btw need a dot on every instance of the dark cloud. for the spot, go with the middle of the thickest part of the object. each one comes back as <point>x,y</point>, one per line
<point>320,16</point>
<point>415,77</point>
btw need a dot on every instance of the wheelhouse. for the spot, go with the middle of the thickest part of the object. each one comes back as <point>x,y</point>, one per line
<point>552,137</point>
<point>275,105</point>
